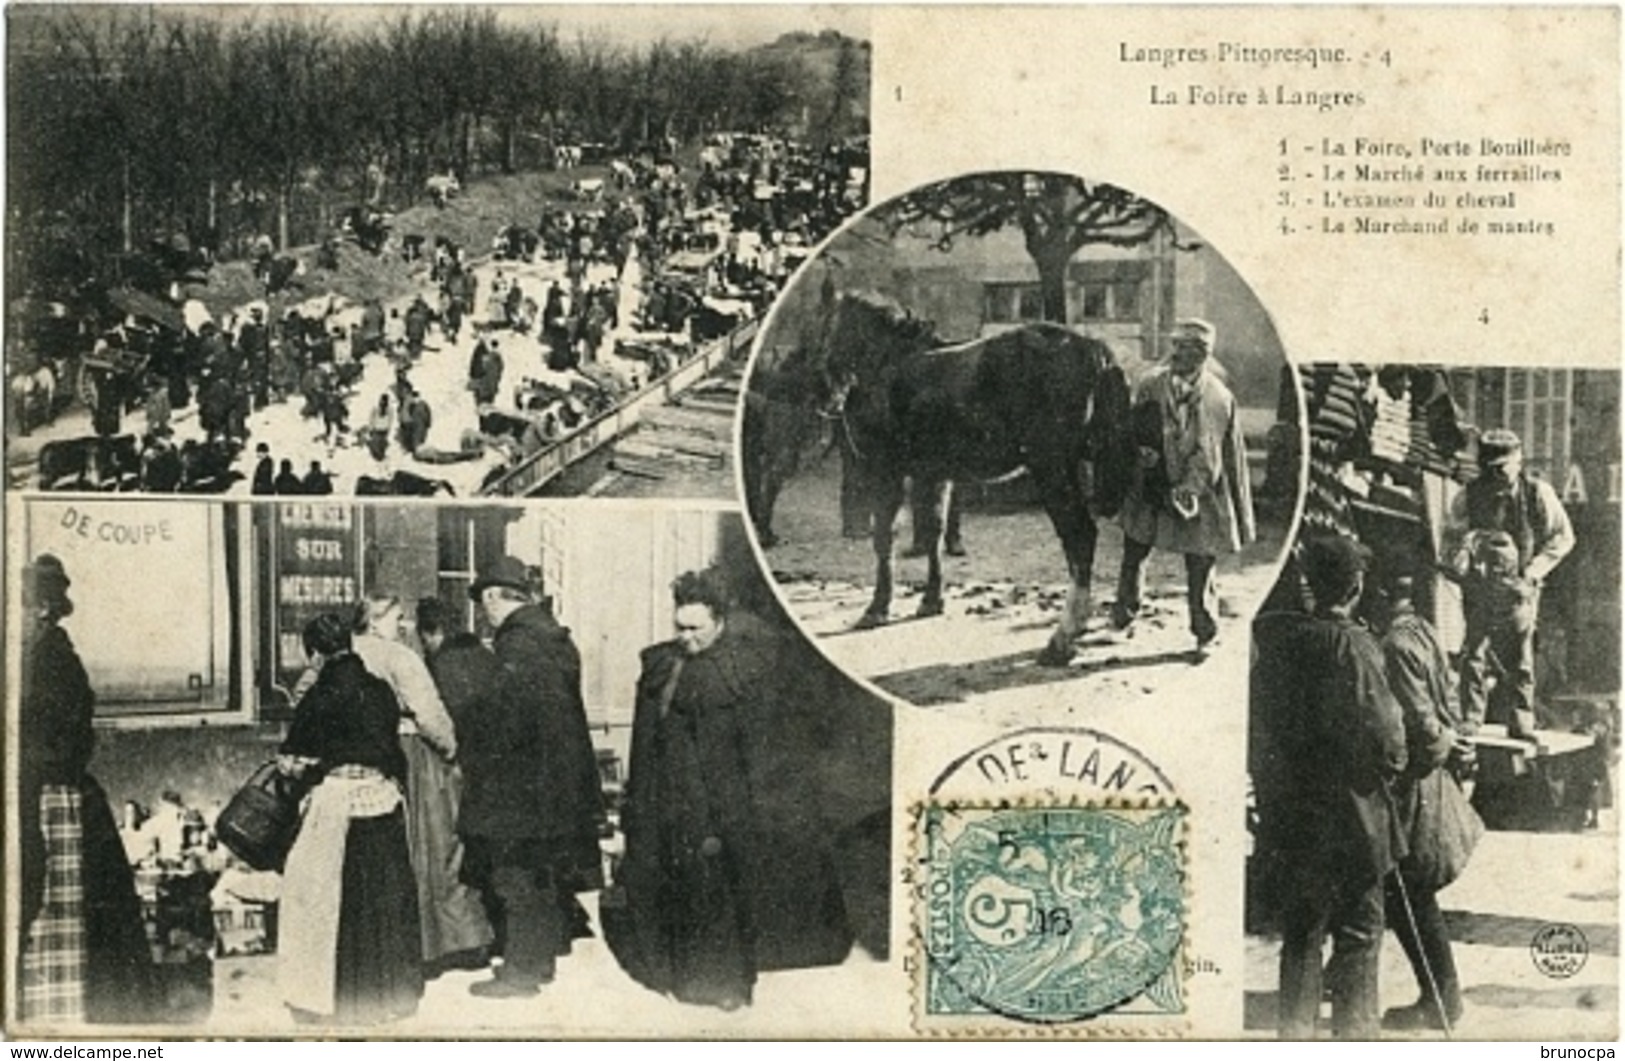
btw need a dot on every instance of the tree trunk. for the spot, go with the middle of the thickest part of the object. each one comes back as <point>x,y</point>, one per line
<point>127,220</point>
<point>282,218</point>
<point>1051,259</point>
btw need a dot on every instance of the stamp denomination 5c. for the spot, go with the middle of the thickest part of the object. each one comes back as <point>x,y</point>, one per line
<point>1048,915</point>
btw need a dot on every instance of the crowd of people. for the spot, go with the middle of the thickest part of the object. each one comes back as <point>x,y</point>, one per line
<point>712,248</point>
<point>1364,741</point>
<point>454,811</point>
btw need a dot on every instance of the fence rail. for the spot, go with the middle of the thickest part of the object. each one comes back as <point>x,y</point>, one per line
<point>545,465</point>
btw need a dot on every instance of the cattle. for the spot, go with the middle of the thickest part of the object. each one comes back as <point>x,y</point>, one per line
<point>280,273</point>
<point>90,463</point>
<point>33,396</point>
<point>589,189</point>
<point>442,188</point>
<point>566,156</point>
<point>369,228</point>
<point>402,484</point>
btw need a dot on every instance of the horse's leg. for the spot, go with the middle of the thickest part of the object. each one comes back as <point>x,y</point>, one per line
<point>1076,528</point>
<point>856,494</point>
<point>930,511</point>
<point>885,497</point>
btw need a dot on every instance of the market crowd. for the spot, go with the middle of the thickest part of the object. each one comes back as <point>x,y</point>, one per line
<point>455,815</point>
<point>712,247</point>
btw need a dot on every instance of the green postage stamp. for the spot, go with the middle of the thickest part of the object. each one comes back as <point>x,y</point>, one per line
<point>1049,916</point>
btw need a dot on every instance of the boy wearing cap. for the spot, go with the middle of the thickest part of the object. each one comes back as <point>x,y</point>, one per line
<point>1192,494</point>
<point>1505,533</point>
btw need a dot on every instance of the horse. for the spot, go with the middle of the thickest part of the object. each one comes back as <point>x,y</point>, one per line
<point>1038,398</point>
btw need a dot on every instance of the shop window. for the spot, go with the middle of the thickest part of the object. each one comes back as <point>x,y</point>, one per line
<point>456,563</point>
<point>157,592</point>
<point>1537,405</point>
<point>1012,303</point>
<point>1106,300</point>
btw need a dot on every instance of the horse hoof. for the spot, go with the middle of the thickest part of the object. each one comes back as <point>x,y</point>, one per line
<point>1055,657</point>
<point>957,549</point>
<point>768,539</point>
<point>928,609</point>
<point>870,620</point>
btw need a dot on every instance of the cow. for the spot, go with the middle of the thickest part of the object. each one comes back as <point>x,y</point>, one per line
<point>442,188</point>
<point>281,272</point>
<point>90,463</point>
<point>589,189</point>
<point>402,484</point>
<point>369,228</point>
<point>33,396</point>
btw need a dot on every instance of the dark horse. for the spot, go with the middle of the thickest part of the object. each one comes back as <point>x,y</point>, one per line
<point>1039,397</point>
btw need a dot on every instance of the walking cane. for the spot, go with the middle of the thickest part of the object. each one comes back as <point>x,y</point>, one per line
<point>1437,996</point>
<point>1421,953</point>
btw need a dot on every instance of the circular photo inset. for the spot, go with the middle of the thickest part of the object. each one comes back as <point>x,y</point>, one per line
<point>1019,428</point>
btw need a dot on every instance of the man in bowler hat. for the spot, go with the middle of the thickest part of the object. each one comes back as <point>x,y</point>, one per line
<point>532,809</point>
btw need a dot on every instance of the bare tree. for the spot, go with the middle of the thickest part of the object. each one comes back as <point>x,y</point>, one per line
<point>1058,215</point>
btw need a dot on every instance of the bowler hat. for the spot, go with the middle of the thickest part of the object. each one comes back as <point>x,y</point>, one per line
<point>1498,445</point>
<point>506,571</point>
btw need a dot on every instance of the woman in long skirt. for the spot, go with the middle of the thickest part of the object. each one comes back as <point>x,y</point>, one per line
<point>84,954</point>
<point>456,932</point>
<point>348,947</point>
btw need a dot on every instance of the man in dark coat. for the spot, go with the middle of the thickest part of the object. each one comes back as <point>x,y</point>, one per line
<point>417,327</point>
<point>371,336</point>
<point>1331,741</point>
<point>215,401</point>
<point>254,342</point>
<point>533,809</point>
<point>264,471</point>
<point>1437,744</point>
<point>489,382</point>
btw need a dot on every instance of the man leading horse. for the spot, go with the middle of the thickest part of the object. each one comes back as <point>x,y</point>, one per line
<point>1039,398</point>
<point>1192,494</point>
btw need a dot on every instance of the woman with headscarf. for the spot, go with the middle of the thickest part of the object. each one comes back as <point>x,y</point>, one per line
<point>84,954</point>
<point>455,929</point>
<point>348,948</point>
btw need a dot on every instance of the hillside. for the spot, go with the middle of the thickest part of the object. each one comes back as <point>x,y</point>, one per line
<point>820,55</point>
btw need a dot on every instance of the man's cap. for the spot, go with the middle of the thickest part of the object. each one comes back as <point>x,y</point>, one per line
<point>507,571</point>
<point>1331,563</point>
<point>1497,445</point>
<point>1196,330</point>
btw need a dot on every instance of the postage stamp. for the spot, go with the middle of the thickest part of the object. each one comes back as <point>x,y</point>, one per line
<point>1035,917</point>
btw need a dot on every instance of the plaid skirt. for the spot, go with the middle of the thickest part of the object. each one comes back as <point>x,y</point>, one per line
<point>55,956</point>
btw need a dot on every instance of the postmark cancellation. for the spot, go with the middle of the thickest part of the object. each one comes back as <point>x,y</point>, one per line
<point>1049,918</point>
